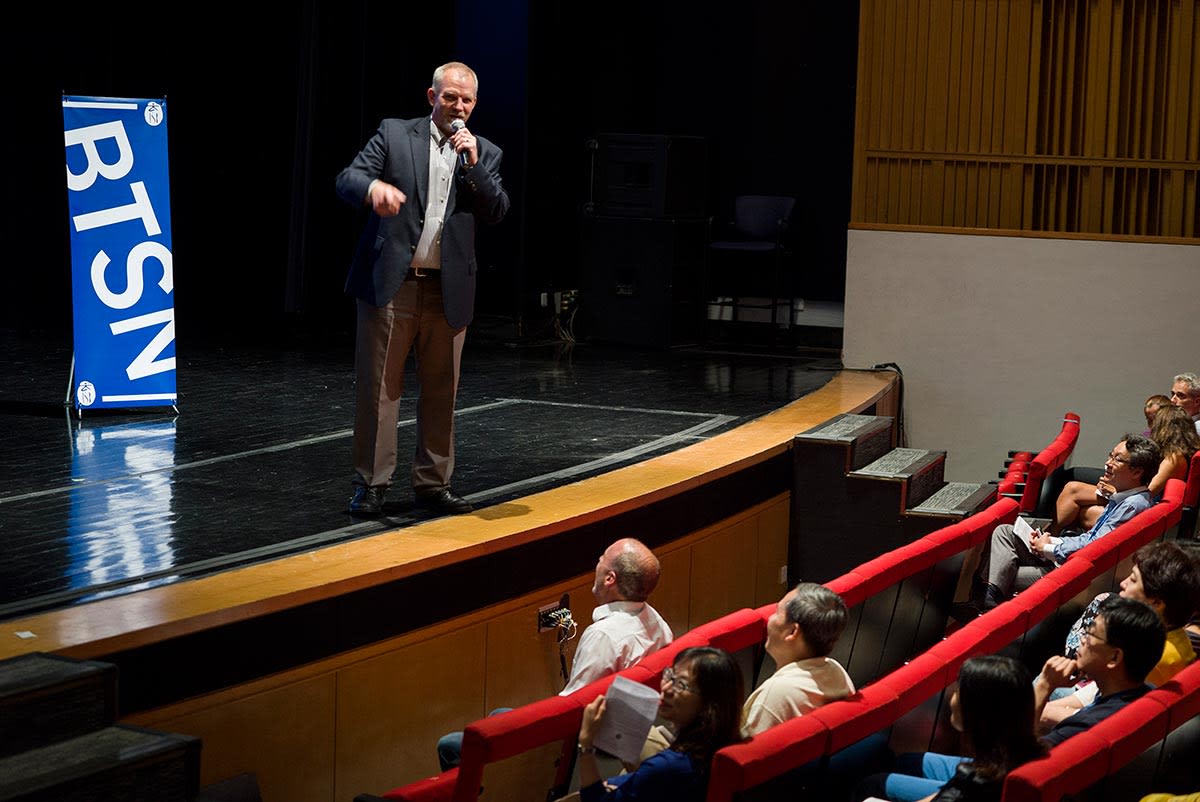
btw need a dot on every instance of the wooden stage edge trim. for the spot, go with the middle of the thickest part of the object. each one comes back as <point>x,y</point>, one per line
<point>156,614</point>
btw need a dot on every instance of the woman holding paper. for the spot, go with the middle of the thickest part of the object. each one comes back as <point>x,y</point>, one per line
<point>702,700</point>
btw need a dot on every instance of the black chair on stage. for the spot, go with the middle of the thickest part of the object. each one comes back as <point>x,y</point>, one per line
<point>749,261</point>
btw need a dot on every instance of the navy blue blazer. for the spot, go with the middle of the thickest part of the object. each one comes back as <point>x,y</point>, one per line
<point>398,153</point>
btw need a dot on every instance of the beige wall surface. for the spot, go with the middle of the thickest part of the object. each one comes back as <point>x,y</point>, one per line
<point>997,336</point>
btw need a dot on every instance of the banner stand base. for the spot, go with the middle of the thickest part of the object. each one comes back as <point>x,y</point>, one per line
<point>71,388</point>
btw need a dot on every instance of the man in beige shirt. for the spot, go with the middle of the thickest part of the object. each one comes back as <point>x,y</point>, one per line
<point>801,633</point>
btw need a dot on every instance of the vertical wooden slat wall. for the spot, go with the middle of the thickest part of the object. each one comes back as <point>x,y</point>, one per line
<point>1038,115</point>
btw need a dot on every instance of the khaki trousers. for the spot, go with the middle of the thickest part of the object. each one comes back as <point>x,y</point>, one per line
<point>414,320</point>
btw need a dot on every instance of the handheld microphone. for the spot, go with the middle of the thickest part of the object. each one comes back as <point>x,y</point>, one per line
<point>455,127</point>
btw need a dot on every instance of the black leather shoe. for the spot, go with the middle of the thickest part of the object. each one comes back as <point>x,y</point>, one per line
<point>966,612</point>
<point>993,597</point>
<point>444,502</point>
<point>974,607</point>
<point>367,501</point>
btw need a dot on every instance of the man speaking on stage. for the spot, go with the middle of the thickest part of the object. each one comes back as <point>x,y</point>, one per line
<point>427,181</point>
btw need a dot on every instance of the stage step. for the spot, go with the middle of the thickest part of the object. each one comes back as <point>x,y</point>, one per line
<point>837,524</point>
<point>116,762</point>
<point>46,698</point>
<point>911,475</point>
<point>956,500</point>
<point>58,739</point>
<point>855,496</point>
<point>857,439</point>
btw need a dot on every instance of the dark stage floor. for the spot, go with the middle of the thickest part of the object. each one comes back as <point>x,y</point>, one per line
<point>256,463</point>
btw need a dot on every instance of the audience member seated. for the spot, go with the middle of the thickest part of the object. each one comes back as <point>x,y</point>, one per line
<point>1153,404</point>
<point>1166,578</point>
<point>1177,440</point>
<point>702,699</point>
<point>625,628</point>
<point>1117,651</point>
<point>1080,504</point>
<point>1132,463</point>
<point>993,708</point>
<point>801,633</point>
<point>1185,393</point>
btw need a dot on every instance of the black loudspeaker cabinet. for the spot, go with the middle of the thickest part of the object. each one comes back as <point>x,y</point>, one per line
<point>648,175</point>
<point>640,280</point>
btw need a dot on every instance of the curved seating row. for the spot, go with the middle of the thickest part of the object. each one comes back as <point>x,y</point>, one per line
<point>558,718</point>
<point>898,603</point>
<point>829,729</point>
<point>1131,734</point>
<point>1025,478</point>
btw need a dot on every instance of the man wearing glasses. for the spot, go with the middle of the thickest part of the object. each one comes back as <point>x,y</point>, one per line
<point>1185,393</point>
<point>1118,650</point>
<point>1129,467</point>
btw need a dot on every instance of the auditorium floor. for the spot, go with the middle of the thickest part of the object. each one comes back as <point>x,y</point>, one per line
<point>255,464</point>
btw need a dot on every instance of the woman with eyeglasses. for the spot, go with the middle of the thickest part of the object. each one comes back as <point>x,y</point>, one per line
<point>1080,503</point>
<point>702,696</point>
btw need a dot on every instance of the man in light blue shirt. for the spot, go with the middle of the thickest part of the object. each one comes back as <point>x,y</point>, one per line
<point>1129,467</point>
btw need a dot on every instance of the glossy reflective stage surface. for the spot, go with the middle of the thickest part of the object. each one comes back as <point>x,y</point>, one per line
<point>256,462</point>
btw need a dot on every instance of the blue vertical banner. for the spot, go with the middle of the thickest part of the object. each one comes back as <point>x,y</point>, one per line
<point>119,198</point>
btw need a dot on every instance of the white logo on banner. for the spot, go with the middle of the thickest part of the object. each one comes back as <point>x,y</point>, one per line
<point>86,393</point>
<point>153,113</point>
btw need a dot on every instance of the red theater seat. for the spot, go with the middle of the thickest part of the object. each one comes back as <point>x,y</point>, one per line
<point>850,720</point>
<point>1191,495</point>
<point>433,789</point>
<point>754,762</point>
<point>735,631</point>
<point>878,705</point>
<point>1048,460</point>
<point>1075,763</point>
<point>918,680</point>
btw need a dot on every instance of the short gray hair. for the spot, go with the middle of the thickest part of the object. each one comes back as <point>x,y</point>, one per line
<point>821,615</point>
<point>440,73</point>
<point>1191,380</point>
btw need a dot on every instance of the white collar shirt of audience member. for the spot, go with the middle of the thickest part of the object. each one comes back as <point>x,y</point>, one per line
<point>622,632</point>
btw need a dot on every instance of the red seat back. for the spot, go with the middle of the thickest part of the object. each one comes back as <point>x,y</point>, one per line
<point>1048,460</point>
